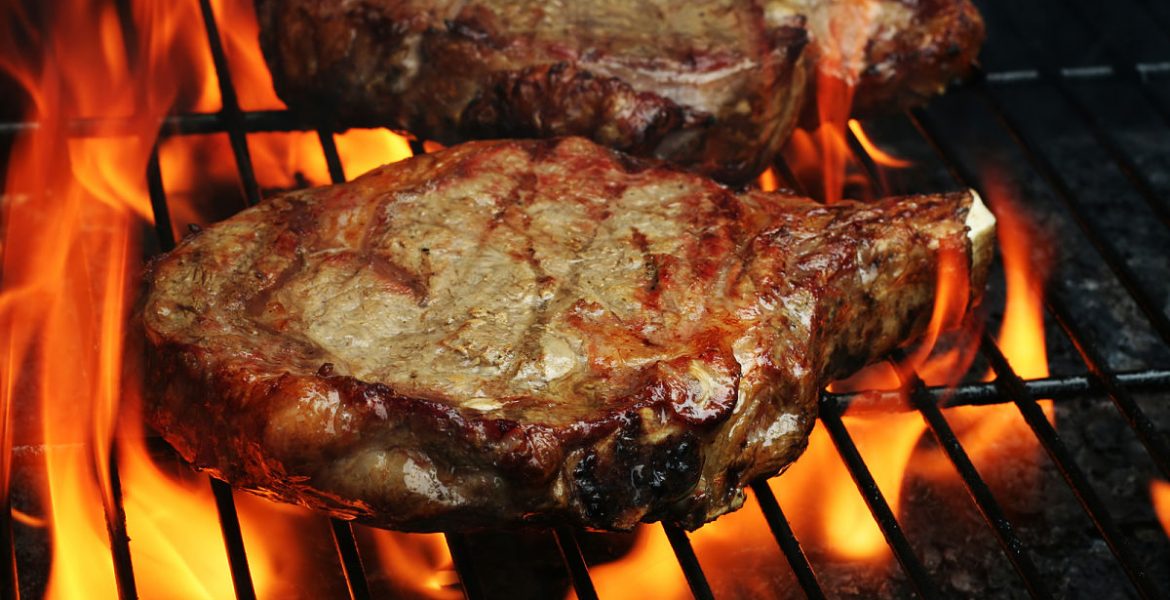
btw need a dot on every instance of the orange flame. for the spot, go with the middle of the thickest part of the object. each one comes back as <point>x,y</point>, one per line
<point>649,569</point>
<point>768,181</point>
<point>875,153</point>
<point>1160,497</point>
<point>72,210</point>
<point>835,516</point>
<point>417,564</point>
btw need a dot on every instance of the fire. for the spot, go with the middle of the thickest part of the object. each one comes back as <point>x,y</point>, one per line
<point>875,153</point>
<point>649,568</point>
<point>768,181</point>
<point>835,517</point>
<point>64,303</point>
<point>418,564</point>
<point>1160,496</point>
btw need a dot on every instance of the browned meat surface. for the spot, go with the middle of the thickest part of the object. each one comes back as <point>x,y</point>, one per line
<point>530,332</point>
<point>715,85</point>
<point>897,53</point>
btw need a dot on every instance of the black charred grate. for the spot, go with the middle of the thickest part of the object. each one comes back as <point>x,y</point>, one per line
<point>1125,48</point>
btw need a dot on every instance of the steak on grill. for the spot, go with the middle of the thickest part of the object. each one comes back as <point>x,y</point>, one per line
<point>530,331</point>
<point>716,85</point>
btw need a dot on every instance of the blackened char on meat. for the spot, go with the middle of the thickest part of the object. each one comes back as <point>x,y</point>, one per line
<point>517,332</point>
<point>716,85</point>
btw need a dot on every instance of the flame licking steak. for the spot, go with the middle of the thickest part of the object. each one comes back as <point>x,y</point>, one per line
<point>716,85</point>
<point>530,332</point>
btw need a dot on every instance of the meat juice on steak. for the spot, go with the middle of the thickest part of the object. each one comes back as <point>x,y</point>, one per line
<point>716,86</point>
<point>531,332</point>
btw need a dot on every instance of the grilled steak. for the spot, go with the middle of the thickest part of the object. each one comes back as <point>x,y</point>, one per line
<point>715,85</point>
<point>529,332</point>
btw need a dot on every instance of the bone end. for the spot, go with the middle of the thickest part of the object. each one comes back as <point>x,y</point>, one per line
<point>981,231</point>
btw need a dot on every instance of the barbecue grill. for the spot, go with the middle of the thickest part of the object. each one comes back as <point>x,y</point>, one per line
<point>1072,102</point>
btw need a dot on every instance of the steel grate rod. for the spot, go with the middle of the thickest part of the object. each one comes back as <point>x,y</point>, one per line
<point>1014,388</point>
<point>1135,72</point>
<point>1148,433</point>
<point>685,553</point>
<point>115,515</point>
<point>786,538</point>
<point>1101,378</point>
<point>878,507</point>
<point>230,110</point>
<point>351,559</point>
<point>570,550</point>
<point>1076,479</point>
<point>464,566</point>
<point>980,493</point>
<point>347,549</point>
<point>224,503</point>
<point>1058,389</point>
<point>1121,269</point>
<point>1052,75</point>
<point>233,539</point>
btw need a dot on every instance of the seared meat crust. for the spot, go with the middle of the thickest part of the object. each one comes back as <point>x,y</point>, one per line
<point>716,86</point>
<point>702,84</point>
<point>518,332</point>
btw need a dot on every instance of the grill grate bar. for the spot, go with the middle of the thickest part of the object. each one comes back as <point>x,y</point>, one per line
<point>692,570</point>
<point>574,561</point>
<point>1010,384</point>
<point>9,580</point>
<point>786,538</point>
<point>461,556</point>
<point>924,123</point>
<point>163,228</point>
<point>230,111</point>
<point>347,549</point>
<point>1124,163</point>
<point>116,530</point>
<point>332,158</point>
<point>1148,433</point>
<point>1086,495</point>
<point>983,394</point>
<point>224,503</point>
<point>1105,250</point>
<point>1131,73</point>
<point>878,507</point>
<point>233,539</point>
<point>351,559</point>
<point>984,500</point>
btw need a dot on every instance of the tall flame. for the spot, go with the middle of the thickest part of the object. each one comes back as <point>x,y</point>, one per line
<point>63,304</point>
<point>74,208</point>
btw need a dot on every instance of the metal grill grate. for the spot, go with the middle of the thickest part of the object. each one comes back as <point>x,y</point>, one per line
<point>992,89</point>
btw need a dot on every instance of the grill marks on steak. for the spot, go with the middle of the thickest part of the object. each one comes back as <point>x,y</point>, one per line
<point>716,85</point>
<point>527,331</point>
